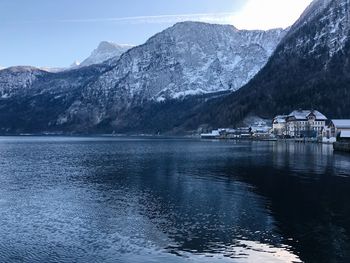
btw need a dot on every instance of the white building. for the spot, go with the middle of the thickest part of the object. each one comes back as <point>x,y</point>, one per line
<point>260,126</point>
<point>305,123</point>
<point>279,125</point>
<point>215,134</point>
<point>260,130</point>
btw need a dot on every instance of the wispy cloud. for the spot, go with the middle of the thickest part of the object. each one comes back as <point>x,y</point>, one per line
<point>205,17</point>
<point>221,18</point>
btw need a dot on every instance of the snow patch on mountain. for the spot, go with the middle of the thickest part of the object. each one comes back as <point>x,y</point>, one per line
<point>315,8</point>
<point>329,20</point>
<point>52,69</point>
<point>335,34</point>
<point>14,80</point>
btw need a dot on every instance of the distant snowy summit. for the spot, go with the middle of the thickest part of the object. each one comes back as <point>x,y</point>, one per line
<point>105,51</point>
<point>75,64</point>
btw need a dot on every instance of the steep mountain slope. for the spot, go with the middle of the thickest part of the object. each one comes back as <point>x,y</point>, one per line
<point>105,50</point>
<point>192,58</point>
<point>189,58</point>
<point>309,69</point>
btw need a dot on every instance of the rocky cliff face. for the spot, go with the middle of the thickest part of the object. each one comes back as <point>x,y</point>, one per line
<point>323,29</point>
<point>187,59</point>
<point>191,58</point>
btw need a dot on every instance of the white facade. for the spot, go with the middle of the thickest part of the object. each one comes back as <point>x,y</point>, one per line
<point>305,123</point>
<point>279,125</point>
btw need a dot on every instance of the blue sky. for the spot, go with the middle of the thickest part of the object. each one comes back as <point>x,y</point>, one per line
<point>57,32</point>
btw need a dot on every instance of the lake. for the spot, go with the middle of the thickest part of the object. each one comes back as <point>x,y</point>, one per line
<point>115,199</point>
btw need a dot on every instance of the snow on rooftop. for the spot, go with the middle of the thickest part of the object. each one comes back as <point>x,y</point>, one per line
<point>341,123</point>
<point>280,119</point>
<point>303,114</point>
<point>345,134</point>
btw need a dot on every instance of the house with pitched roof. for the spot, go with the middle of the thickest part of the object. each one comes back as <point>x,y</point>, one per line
<point>305,124</point>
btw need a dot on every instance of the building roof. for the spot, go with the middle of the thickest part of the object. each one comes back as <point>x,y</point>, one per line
<point>345,124</point>
<point>345,134</point>
<point>303,114</point>
<point>280,119</point>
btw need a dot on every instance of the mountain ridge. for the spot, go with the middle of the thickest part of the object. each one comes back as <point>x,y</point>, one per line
<point>186,60</point>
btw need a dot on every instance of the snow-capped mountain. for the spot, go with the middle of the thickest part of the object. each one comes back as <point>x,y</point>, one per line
<point>141,89</point>
<point>76,64</point>
<point>106,50</point>
<point>309,69</point>
<point>189,58</point>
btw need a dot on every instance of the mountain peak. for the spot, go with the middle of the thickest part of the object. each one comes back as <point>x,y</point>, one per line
<point>76,63</point>
<point>105,50</point>
<point>108,46</point>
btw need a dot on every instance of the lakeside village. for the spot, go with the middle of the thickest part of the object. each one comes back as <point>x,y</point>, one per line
<point>298,126</point>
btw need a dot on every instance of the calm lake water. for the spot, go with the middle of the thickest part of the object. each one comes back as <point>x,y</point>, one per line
<point>172,200</point>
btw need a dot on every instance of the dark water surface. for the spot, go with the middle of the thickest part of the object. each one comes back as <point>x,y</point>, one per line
<point>172,200</point>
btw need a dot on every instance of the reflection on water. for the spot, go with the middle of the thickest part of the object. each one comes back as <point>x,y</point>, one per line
<point>165,200</point>
<point>309,159</point>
